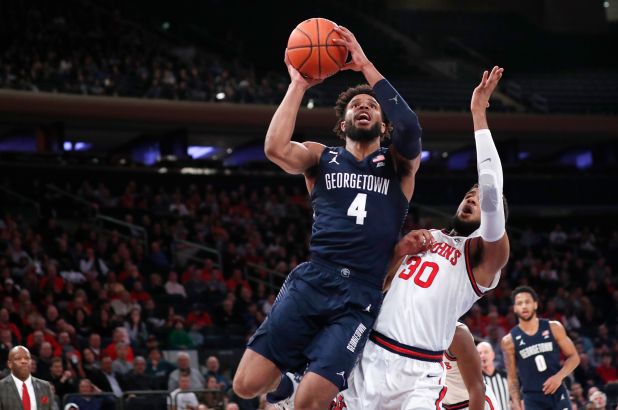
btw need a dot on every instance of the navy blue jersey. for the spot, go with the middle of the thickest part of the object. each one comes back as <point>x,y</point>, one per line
<point>537,356</point>
<point>358,211</point>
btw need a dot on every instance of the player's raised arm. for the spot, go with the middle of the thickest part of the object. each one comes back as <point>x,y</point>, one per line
<point>508,350</point>
<point>568,350</point>
<point>494,246</point>
<point>291,156</point>
<point>406,134</point>
<point>469,362</point>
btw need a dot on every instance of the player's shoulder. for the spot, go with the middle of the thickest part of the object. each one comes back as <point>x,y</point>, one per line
<point>507,341</point>
<point>556,327</point>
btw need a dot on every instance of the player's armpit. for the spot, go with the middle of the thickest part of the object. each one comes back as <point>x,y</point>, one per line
<point>490,258</point>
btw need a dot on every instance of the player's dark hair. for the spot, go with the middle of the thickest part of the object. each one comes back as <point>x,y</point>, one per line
<point>524,289</point>
<point>342,102</point>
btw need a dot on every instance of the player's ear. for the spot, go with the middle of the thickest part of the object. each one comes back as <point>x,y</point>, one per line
<point>342,126</point>
<point>382,128</point>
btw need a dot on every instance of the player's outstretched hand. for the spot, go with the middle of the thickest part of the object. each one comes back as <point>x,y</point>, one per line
<point>481,94</point>
<point>297,77</point>
<point>414,242</point>
<point>552,384</point>
<point>359,59</point>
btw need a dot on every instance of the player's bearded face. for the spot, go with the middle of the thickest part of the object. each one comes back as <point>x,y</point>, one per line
<point>362,134</point>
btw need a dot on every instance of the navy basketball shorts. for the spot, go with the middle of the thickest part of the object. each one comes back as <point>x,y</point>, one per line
<point>319,322</point>
<point>540,401</point>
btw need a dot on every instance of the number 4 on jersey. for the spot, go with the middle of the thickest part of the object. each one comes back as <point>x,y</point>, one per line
<point>357,208</point>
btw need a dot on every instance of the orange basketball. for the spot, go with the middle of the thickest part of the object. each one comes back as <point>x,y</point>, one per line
<point>311,49</point>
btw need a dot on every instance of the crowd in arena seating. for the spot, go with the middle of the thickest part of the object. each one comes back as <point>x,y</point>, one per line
<point>99,306</point>
<point>84,51</point>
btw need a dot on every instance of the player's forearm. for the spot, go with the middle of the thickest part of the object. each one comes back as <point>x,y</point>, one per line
<point>569,365</point>
<point>479,118</point>
<point>514,389</point>
<point>281,128</point>
<point>371,73</point>
<point>406,134</point>
<point>477,397</point>
<point>490,187</point>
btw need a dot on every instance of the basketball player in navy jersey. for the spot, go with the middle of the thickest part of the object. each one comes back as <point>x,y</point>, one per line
<point>360,195</point>
<point>532,356</point>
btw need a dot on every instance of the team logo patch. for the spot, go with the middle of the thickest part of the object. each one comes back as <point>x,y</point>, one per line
<point>378,158</point>
<point>545,334</point>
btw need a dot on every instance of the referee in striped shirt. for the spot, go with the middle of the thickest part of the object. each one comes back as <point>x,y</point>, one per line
<point>494,378</point>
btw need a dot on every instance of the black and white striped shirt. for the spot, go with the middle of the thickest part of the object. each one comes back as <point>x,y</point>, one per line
<point>499,386</point>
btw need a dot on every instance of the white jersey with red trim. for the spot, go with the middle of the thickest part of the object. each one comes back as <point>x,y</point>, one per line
<point>456,391</point>
<point>457,396</point>
<point>430,292</point>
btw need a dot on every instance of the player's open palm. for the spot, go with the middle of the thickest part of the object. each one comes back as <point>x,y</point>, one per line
<point>552,384</point>
<point>482,93</point>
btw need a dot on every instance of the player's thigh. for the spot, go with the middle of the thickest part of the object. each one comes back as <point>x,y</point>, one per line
<point>334,351</point>
<point>367,380</point>
<point>286,332</point>
<point>315,392</point>
<point>424,387</point>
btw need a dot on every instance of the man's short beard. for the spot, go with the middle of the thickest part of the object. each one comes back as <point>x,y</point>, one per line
<point>362,134</point>
<point>464,228</point>
<point>520,317</point>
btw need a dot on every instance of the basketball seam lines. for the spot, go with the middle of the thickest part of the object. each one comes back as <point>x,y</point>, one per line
<point>310,45</point>
<point>328,52</point>
<point>317,24</point>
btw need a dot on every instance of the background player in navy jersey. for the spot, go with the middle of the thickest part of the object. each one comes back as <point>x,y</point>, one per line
<point>360,195</point>
<point>532,356</point>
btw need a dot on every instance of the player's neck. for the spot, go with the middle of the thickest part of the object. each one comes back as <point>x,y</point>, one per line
<point>360,149</point>
<point>530,326</point>
<point>489,370</point>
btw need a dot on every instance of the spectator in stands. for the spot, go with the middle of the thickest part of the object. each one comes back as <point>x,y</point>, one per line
<point>123,306</point>
<point>45,357</point>
<point>85,400</point>
<point>184,365</point>
<point>6,344</point>
<point>214,398</point>
<point>577,396</point>
<point>5,323</point>
<point>599,399</point>
<point>607,371</point>
<point>179,338</point>
<point>106,379</point>
<point>136,328</point>
<point>120,336</point>
<point>94,344</point>
<point>213,370</point>
<point>62,380</point>
<point>172,287</point>
<point>122,365</point>
<point>158,367</point>
<point>181,398</point>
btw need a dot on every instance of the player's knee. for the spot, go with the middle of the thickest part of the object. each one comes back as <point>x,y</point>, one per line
<point>246,387</point>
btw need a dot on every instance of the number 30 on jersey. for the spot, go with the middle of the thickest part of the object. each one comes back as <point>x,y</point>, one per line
<point>424,273</point>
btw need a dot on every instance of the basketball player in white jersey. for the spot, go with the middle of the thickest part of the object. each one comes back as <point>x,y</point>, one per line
<point>401,367</point>
<point>465,388</point>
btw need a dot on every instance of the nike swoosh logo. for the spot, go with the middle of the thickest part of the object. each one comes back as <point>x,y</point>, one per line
<point>432,376</point>
<point>486,159</point>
